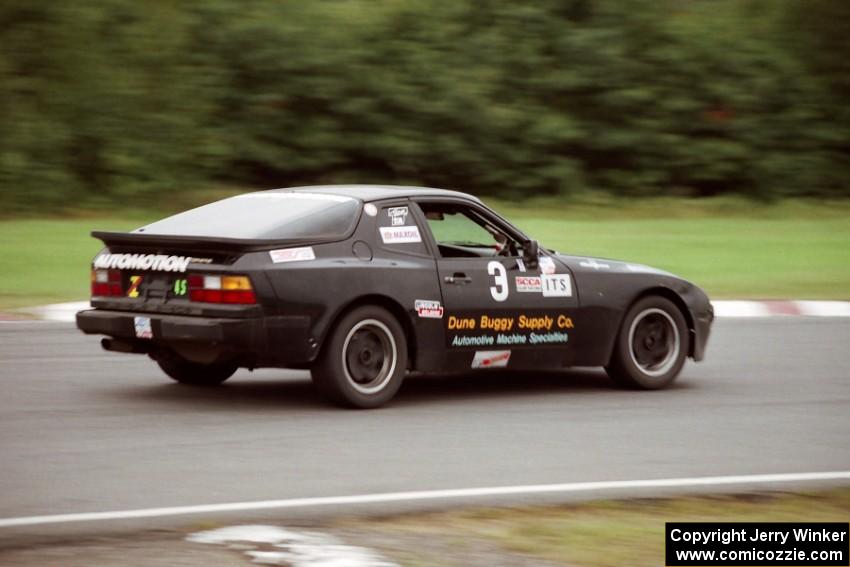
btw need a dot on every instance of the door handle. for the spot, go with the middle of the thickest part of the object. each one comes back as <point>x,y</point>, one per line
<point>458,278</point>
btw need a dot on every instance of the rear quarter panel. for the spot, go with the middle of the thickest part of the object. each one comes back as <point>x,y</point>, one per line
<point>322,289</point>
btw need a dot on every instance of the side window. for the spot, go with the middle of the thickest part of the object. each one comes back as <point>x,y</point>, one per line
<point>397,229</point>
<point>461,232</point>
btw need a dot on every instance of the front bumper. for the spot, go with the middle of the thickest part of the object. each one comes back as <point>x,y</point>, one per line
<point>268,340</point>
<point>702,329</point>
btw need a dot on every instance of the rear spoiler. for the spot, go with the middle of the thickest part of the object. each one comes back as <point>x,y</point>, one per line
<point>133,241</point>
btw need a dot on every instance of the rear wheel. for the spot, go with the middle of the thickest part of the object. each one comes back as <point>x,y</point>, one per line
<point>195,373</point>
<point>651,346</point>
<point>364,359</point>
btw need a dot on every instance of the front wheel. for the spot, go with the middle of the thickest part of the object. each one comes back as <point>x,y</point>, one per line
<point>363,360</point>
<point>195,373</point>
<point>651,346</point>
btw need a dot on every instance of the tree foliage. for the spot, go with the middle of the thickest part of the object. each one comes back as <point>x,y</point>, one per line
<point>116,99</point>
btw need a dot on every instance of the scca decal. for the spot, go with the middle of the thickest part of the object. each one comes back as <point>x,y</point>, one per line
<point>528,284</point>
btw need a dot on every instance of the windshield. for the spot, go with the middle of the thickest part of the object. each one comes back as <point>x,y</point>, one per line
<point>269,215</point>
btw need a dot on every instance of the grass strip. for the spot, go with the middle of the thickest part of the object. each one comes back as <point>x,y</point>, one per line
<point>732,248</point>
<point>608,533</point>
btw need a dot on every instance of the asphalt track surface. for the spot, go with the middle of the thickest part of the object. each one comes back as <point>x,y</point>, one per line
<point>83,430</point>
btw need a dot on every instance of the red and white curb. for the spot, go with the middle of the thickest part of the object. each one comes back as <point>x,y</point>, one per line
<point>61,312</point>
<point>65,312</point>
<point>781,308</point>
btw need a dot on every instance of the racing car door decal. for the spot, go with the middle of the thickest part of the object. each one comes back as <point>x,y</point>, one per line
<point>492,301</point>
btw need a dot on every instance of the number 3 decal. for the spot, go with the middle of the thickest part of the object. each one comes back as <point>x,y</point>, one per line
<point>500,290</point>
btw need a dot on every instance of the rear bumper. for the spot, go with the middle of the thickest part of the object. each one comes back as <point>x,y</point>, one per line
<point>271,341</point>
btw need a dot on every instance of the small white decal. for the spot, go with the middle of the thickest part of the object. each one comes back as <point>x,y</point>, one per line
<point>520,264</point>
<point>292,254</point>
<point>429,309</point>
<point>491,358</point>
<point>143,327</point>
<point>398,215</point>
<point>526,284</point>
<point>641,269</point>
<point>557,285</point>
<point>370,209</point>
<point>547,265</point>
<point>594,264</point>
<point>158,262</point>
<point>400,235</point>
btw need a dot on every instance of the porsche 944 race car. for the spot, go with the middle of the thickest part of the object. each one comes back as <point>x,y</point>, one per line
<point>361,284</point>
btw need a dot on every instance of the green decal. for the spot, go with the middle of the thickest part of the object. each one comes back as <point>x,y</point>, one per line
<point>180,287</point>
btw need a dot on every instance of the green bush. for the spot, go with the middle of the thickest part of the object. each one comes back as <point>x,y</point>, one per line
<point>123,101</point>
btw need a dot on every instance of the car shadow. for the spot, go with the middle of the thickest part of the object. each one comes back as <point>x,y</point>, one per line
<point>286,389</point>
<point>239,393</point>
<point>488,384</point>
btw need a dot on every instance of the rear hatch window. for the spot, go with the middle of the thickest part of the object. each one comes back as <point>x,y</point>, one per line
<point>267,215</point>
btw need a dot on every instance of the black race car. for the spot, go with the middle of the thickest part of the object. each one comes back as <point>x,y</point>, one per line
<point>362,283</point>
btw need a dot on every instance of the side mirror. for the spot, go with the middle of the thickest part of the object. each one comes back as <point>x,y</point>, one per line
<point>530,250</point>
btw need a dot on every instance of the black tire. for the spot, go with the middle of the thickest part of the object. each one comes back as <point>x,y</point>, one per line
<point>651,346</point>
<point>363,360</point>
<point>194,373</point>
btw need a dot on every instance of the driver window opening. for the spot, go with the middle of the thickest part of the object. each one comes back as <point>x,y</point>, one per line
<point>461,233</point>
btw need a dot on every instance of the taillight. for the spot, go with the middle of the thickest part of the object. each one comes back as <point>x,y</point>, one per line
<point>221,289</point>
<point>106,283</point>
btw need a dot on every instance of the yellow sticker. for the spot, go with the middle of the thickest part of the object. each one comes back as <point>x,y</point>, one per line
<point>134,286</point>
